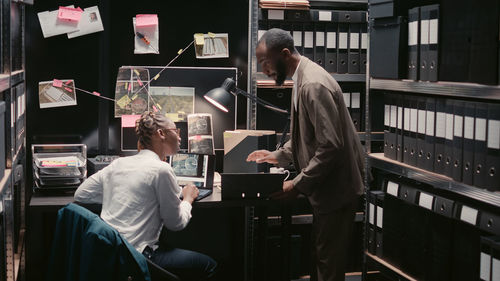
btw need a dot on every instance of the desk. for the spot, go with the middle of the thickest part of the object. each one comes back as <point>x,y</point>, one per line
<point>43,209</point>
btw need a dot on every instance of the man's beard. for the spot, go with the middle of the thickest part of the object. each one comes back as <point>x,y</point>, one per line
<point>280,72</point>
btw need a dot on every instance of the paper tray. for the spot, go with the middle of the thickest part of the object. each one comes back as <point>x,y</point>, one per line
<point>67,164</point>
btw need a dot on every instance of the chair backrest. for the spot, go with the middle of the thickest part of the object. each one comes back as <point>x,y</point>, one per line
<point>87,248</point>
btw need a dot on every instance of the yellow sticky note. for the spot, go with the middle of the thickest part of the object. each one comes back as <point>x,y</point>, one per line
<point>212,35</point>
<point>158,105</point>
<point>135,96</point>
<point>179,52</point>
<point>123,101</point>
<point>126,85</point>
<point>156,77</point>
<point>199,39</point>
<point>136,72</point>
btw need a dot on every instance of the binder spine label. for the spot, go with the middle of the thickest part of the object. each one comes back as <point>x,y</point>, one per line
<point>433,31</point>
<point>355,100</point>
<point>400,117</point>
<point>430,123</point>
<point>380,216</point>
<point>407,119</point>
<point>440,125</point>
<point>331,38</point>
<point>387,115</point>
<point>325,16</point>
<point>308,39</point>
<point>413,119</point>
<point>459,122</point>
<point>392,188</point>
<point>364,41</point>
<point>347,99</point>
<point>297,38</point>
<point>276,14</point>
<point>469,128</point>
<point>424,32</point>
<point>449,126</point>
<point>468,215</point>
<point>494,134</point>
<point>480,129</point>
<point>413,33</point>
<point>320,39</point>
<point>421,121</point>
<point>371,218</point>
<point>394,116</point>
<point>354,42</point>
<point>485,267</point>
<point>426,201</point>
<point>342,40</point>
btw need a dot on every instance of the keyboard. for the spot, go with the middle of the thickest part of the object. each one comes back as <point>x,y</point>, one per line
<point>203,193</point>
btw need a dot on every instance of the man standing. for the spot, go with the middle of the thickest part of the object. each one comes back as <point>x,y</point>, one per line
<point>324,148</point>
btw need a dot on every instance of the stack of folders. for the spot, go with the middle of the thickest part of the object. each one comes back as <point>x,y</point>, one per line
<point>423,30</point>
<point>284,4</point>
<point>456,138</point>
<point>432,237</point>
<point>336,40</point>
<point>353,103</point>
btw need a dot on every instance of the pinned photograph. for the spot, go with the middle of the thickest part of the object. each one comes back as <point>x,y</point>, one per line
<point>175,102</point>
<point>201,145</point>
<point>56,93</point>
<point>90,22</point>
<point>130,94</point>
<point>211,45</point>
<point>199,124</point>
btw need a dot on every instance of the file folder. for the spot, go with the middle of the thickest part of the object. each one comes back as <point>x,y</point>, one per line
<point>319,46</point>
<point>448,141</point>
<point>493,146</point>
<point>495,261</point>
<point>439,147</point>
<point>468,150</point>
<point>430,134</point>
<point>297,15</point>
<point>399,128</point>
<point>422,121</point>
<point>393,238</point>
<point>349,16</point>
<point>309,41</point>
<point>343,48</point>
<point>413,43</point>
<point>458,139</point>
<point>364,48</point>
<point>485,258</point>
<point>413,131</point>
<point>490,223</point>
<point>432,56</point>
<point>406,130</point>
<point>372,221</point>
<point>354,30</point>
<point>439,244</point>
<point>297,33</point>
<point>379,230</point>
<point>331,48</point>
<point>424,43</point>
<point>480,148</point>
<point>387,125</point>
<point>465,253</point>
<point>356,110</point>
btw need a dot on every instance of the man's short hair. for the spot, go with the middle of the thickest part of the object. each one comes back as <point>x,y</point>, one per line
<point>277,39</point>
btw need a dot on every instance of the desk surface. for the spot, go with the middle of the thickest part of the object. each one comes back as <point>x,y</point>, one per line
<point>51,200</point>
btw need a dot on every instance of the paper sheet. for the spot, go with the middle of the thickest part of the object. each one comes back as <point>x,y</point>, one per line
<point>215,46</point>
<point>51,26</point>
<point>50,96</point>
<point>151,34</point>
<point>89,23</point>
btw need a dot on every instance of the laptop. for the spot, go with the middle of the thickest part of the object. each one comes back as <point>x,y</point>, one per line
<point>250,185</point>
<point>197,169</point>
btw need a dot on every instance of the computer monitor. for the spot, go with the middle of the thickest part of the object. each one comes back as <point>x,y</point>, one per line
<point>197,169</point>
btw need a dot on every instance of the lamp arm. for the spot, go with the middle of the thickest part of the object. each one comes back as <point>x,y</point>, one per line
<point>262,102</point>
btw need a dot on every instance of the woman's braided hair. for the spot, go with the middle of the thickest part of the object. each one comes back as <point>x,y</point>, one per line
<point>147,125</point>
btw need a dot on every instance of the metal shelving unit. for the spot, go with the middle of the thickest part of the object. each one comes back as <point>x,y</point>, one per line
<point>454,89</point>
<point>377,160</point>
<point>388,269</point>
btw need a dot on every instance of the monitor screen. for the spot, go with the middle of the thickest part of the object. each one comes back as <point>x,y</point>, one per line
<point>197,169</point>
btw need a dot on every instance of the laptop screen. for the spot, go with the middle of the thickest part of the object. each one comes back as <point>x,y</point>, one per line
<point>197,169</point>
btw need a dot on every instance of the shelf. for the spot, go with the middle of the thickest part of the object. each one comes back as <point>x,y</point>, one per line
<point>4,82</point>
<point>375,136</point>
<point>388,269</point>
<point>17,77</point>
<point>339,3</point>
<point>454,89</point>
<point>265,82</point>
<point>378,160</point>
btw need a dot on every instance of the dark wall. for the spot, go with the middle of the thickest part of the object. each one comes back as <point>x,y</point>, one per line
<point>93,60</point>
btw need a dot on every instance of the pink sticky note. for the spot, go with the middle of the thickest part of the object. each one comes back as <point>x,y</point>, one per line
<point>198,138</point>
<point>69,14</point>
<point>155,109</point>
<point>129,87</point>
<point>67,82</point>
<point>68,89</point>
<point>146,20</point>
<point>139,81</point>
<point>57,83</point>
<point>96,94</point>
<point>128,121</point>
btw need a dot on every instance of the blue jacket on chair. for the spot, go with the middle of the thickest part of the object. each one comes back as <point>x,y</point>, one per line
<point>86,248</point>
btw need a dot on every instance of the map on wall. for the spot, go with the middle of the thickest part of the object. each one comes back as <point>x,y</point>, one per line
<point>175,102</point>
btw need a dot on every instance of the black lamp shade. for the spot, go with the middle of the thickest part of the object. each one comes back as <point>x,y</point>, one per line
<point>221,97</point>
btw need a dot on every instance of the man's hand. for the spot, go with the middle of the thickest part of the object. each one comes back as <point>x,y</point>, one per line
<point>261,156</point>
<point>189,193</point>
<point>288,192</point>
